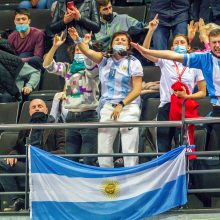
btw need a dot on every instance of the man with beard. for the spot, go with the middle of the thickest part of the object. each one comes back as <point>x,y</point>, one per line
<point>50,140</point>
<point>112,22</point>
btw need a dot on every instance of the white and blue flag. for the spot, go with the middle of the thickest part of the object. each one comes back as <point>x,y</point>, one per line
<point>63,189</point>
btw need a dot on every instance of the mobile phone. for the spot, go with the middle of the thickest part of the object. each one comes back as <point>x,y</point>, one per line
<point>70,5</point>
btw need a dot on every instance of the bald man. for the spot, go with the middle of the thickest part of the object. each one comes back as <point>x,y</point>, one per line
<point>50,140</point>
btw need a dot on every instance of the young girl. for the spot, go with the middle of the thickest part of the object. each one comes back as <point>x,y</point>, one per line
<point>121,78</point>
<point>176,81</point>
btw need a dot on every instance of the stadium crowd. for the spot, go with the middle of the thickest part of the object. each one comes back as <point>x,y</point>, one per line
<point>99,57</point>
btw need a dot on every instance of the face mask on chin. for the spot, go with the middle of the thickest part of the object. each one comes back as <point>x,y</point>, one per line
<point>180,49</point>
<point>120,50</point>
<point>108,17</point>
<point>22,28</point>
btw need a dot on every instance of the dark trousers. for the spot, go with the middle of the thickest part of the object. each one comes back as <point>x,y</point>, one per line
<point>82,140</point>
<point>165,135</point>
<point>12,183</point>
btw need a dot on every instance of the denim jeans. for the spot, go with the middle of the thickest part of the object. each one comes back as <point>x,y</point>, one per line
<point>82,140</point>
<point>162,34</point>
<point>42,4</point>
<point>12,183</point>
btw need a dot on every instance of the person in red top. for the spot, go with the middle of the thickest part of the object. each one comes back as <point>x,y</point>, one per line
<point>27,42</point>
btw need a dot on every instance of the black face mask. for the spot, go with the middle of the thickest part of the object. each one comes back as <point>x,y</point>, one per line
<point>108,17</point>
<point>39,117</point>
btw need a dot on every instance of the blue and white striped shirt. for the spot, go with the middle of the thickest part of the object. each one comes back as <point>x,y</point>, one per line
<point>115,77</point>
<point>210,66</point>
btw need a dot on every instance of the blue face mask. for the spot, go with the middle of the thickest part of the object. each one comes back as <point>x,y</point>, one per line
<point>79,58</point>
<point>180,49</point>
<point>117,49</point>
<point>22,28</point>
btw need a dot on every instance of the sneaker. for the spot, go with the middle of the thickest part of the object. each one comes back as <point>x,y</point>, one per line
<point>18,205</point>
<point>119,163</point>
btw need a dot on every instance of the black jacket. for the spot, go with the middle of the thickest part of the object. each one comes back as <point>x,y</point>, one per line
<point>10,66</point>
<point>50,140</point>
<point>89,17</point>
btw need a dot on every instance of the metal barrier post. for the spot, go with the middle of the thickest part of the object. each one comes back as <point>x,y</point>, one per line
<point>26,172</point>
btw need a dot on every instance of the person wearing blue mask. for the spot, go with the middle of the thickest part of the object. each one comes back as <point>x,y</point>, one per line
<point>120,74</point>
<point>80,99</point>
<point>176,81</point>
<point>27,42</point>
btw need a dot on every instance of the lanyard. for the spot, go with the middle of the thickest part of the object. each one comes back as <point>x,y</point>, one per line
<point>177,70</point>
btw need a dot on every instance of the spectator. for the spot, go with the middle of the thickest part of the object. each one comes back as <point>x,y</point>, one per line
<point>38,4</point>
<point>80,101</point>
<point>83,16</point>
<point>209,64</point>
<point>208,10</point>
<point>175,81</point>
<point>121,78</point>
<point>112,22</point>
<point>173,16</point>
<point>16,77</point>
<point>50,140</point>
<point>28,42</point>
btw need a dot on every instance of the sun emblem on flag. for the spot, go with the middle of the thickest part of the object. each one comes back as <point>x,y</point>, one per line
<point>110,188</point>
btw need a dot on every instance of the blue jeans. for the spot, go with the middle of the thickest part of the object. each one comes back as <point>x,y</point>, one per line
<point>162,34</point>
<point>42,4</point>
<point>12,183</point>
<point>82,140</point>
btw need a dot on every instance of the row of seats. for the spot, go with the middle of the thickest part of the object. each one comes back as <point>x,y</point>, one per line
<point>41,17</point>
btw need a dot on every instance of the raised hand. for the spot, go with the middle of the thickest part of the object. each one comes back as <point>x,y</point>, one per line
<point>203,36</point>
<point>73,33</point>
<point>139,48</point>
<point>154,23</point>
<point>77,13</point>
<point>58,40</point>
<point>192,28</point>
<point>87,38</point>
<point>69,16</point>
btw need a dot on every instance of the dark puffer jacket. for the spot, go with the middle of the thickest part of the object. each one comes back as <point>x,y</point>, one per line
<point>89,20</point>
<point>10,66</point>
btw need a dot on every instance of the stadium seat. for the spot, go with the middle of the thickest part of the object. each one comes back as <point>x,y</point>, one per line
<point>205,107</point>
<point>7,141</point>
<point>48,88</point>
<point>9,112</point>
<point>24,116</point>
<point>137,12</point>
<point>151,73</point>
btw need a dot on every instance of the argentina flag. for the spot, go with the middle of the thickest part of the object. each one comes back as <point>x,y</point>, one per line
<point>63,189</point>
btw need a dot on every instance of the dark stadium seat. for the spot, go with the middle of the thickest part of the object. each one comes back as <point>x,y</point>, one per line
<point>151,73</point>
<point>48,88</point>
<point>151,106</point>
<point>137,12</point>
<point>205,107</point>
<point>9,112</point>
<point>24,116</point>
<point>7,141</point>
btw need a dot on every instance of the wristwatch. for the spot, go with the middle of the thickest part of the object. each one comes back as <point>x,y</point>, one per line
<point>122,103</point>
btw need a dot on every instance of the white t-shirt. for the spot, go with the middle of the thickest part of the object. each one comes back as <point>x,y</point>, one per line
<point>169,76</point>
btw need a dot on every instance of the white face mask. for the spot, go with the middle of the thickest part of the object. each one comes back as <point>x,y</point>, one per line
<point>117,49</point>
<point>79,57</point>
